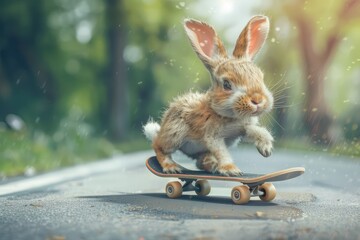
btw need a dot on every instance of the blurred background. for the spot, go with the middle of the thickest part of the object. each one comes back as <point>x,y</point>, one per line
<point>79,78</point>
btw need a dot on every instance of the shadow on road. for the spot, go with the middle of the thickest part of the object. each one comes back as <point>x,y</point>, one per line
<point>193,206</point>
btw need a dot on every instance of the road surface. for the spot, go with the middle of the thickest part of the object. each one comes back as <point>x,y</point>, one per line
<point>120,199</point>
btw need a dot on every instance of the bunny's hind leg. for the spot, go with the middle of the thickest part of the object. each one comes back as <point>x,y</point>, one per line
<point>207,161</point>
<point>163,155</point>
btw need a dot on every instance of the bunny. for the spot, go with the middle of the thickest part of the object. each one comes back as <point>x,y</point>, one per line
<point>203,125</point>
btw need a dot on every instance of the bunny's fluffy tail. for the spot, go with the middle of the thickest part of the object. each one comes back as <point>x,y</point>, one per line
<point>151,129</point>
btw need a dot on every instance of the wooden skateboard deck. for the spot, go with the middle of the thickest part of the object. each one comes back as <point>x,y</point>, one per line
<point>253,184</point>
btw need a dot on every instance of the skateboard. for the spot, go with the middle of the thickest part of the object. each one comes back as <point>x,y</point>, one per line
<point>253,185</point>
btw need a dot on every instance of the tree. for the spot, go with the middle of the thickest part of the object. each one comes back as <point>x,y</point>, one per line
<point>117,82</point>
<point>316,61</point>
<point>27,82</point>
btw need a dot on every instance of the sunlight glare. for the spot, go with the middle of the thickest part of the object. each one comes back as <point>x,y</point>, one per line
<point>226,6</point>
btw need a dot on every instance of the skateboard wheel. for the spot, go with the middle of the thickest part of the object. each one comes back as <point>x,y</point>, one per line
<point>173,189</point>
<point>240,194</point>
<point>202,187</point>
<point>269,192</point>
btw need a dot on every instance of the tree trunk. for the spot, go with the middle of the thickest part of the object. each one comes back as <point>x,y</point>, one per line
<point>317,114</point>
<point>117,87</point>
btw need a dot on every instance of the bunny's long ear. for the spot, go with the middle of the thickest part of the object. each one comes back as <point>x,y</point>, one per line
<point>205,42</point>
<point>252,38</point>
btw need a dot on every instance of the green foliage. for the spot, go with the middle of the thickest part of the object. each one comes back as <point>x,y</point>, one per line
<point>167,65</point>
<point>73,142</point>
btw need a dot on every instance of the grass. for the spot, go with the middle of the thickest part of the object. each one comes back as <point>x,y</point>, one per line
<point>28,151</point>
<point>22,153</point>
<point>135,144</point>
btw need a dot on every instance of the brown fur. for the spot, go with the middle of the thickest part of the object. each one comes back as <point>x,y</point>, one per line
<point>202,125</point>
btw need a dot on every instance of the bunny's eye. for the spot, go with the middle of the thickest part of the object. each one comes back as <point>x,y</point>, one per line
<point>226,85</point>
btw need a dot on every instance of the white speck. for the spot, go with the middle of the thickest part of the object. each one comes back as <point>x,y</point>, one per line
<point>260,214</point>
<point>277,29</point>
<point>272,40</point>
<point>171,62</point>
<point>182,4</point>
<point>15,122</point>
<point>132,53</point>
<point>29,171</point>
<point>202,44</point>
<point>84,32</point>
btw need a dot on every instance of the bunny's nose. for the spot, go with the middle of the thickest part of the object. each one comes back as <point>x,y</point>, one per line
<point>256,99</point>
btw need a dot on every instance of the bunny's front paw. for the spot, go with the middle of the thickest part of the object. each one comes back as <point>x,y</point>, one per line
<point>262,139</point>
<point>264,143</point>
<point>265,148</point>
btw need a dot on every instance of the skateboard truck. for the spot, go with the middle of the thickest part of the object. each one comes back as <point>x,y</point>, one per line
<point>189,186</point>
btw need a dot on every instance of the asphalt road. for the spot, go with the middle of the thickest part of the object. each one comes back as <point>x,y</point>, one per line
<point>121,199</point>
